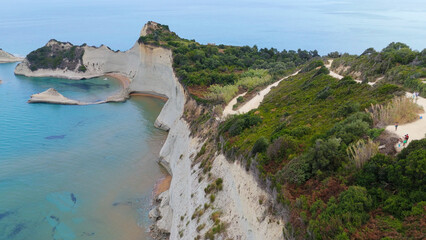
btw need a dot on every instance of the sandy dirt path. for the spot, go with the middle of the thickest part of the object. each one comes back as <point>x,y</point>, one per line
<point>254,102</point>
<point>338,76</point>
<point>416,130</point>
<point>229,108</point>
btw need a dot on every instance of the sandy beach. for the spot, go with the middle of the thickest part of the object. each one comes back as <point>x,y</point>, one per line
<point>149,95</point>
<point>125,81</point>
<point>162,185</point>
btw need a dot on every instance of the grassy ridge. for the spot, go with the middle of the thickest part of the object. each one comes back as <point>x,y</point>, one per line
<point>200,66</point>
<point>396,63</point>
<point>311,134</point>
<point>299,138</point>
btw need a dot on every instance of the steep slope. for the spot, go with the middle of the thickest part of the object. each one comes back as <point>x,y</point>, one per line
<point>150,70</point>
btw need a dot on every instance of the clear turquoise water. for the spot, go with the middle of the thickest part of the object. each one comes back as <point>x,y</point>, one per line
<point>86,172</point>
<point>75,172</point>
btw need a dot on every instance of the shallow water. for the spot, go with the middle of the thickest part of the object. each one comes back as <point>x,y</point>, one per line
<point>75,172</point>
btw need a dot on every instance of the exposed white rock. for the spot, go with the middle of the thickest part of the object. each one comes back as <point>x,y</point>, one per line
<point>52,96</point>
<point>150,71</point>
<point>338,76</point>
<point>6,57</point>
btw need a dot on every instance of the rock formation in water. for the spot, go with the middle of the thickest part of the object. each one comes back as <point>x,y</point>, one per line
<point>6,57</point>
<point>150,70</point>
<point>52,96</point>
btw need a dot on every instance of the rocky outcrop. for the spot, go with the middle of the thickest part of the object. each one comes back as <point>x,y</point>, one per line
<point>52,96</point>
<point>150,70</point>
<point>6,57</point>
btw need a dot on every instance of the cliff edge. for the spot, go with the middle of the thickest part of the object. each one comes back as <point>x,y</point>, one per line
<point>148,68</point>
<point>178,214</point>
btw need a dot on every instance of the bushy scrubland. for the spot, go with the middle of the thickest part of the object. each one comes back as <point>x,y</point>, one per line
<point>215,73</point>
<point>314,140</point>
<point>396,64</point>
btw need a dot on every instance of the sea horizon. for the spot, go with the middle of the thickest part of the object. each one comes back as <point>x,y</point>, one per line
<point>326,26</point>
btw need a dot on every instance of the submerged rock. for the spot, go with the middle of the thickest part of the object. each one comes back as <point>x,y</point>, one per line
<point>5,214</point>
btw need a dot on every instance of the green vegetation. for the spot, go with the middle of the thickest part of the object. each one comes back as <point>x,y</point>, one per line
<point>216,73</point>
<point>312,136</point>
<point>313,139</point>
<point>56,56</point>
<point>400,109</point>
<point>396,63</point>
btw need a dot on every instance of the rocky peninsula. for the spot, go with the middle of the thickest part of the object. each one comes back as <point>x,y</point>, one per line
<point>254,154</point>
<point>184,211</point>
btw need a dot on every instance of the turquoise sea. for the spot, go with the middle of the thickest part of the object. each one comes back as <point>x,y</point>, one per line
<point>86,172</point>
<point>75,172</point>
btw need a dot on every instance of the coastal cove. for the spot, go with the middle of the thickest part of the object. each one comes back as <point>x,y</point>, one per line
<point>175,139</point>
<point>76,172</point>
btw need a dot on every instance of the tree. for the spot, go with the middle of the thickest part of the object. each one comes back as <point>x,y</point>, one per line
<point>368,51</point>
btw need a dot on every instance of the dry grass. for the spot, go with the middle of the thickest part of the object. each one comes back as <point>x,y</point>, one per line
<point>361,151</point>
<point>400,109</point>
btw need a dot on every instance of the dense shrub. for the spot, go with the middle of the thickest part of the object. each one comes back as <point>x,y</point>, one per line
<point>352,128</point>
<point>297,171</point>
<point>348,108</point>
<point>346,80</point>
<point>324,93</point>
<point>281,148</point>
<point>236,124</point>
<point>398,184</point>
<point>322,70</point>
<point>260,145</point>
<point>349,212</point>
<point>312,65</point>
<point>325,155</point>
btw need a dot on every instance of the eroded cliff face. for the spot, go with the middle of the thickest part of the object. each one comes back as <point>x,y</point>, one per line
<point>148,68</point>
<point>150,71</point>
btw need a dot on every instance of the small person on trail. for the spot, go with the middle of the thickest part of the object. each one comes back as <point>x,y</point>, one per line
<point>405,140</point>
<point>396,126</point>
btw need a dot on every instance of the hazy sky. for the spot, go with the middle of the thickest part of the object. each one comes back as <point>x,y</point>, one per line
<point>342,25</point>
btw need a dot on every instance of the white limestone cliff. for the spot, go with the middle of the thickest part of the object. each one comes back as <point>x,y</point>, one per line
<point>150,71</point>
